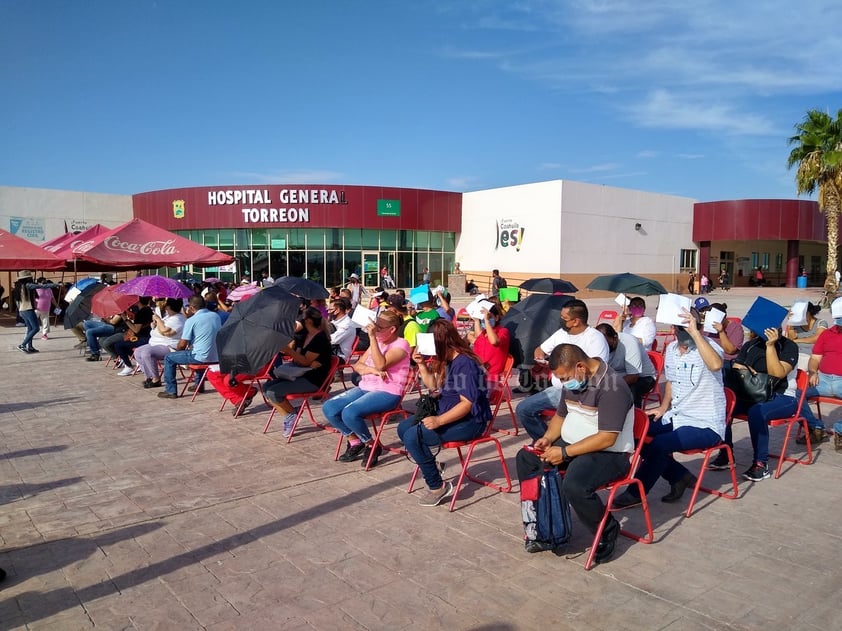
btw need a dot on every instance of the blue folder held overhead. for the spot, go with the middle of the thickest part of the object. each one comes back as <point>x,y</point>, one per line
<point>764,314</point>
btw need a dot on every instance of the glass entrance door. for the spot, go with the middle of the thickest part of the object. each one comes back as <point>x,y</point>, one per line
<point>371,269</point>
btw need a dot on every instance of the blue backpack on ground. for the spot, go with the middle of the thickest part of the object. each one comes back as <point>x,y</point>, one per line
<point>546,512</point>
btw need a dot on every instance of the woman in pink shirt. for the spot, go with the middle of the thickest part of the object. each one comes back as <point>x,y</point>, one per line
<point>44,305</point>
<point>384,369</point>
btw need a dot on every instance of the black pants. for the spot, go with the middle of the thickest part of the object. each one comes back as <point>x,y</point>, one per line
<point>584,474</point>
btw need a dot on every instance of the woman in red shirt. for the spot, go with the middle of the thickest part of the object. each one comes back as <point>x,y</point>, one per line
<point>491,344</point>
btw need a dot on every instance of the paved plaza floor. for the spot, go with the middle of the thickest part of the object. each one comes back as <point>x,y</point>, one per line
<point>120,510</point>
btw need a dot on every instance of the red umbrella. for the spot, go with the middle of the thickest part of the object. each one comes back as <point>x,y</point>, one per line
<point>109,302</point>
<point>68,246</point>
<point>138,244</point>
<point>20,254</point>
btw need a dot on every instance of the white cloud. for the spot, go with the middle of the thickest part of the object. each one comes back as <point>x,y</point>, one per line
<point>690,156</point>
<point>549,166</point>
<point>596,168</point>
<point>463,182</point>
<point>647,153</point>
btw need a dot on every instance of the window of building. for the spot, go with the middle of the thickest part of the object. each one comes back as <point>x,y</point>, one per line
<point>296,242</point>
<point>687,259</point>
<point>333,239</point>
<point>212,238</point>
<point>243,238</point>
<point>765,260</point>
<point>371,240</point>
<point>334,274</point>
<point>353,239</point>
<point>779,262</point>
<point>259,238</point>
<point>226,239</point>
<point>388,239</point>
<point>315,239</point>
<point>755,260</point>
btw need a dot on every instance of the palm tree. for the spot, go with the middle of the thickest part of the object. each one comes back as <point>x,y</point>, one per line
<point>818,154</point>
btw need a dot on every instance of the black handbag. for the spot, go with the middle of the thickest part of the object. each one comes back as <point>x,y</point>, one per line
<point>427,405</point>
<point>754,387</point>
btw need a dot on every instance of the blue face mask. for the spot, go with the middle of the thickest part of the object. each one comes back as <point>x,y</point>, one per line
<point>575,384</point>
<point>493,322</point>
<point>837,321</point>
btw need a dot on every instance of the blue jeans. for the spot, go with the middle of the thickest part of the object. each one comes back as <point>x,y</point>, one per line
<point>347,411</point>
<point>32,326</point>
<point>528,411</point>
<point>171,363</point>
<point>829,386</point>
<point>759,415</point>
<point>95,330</point>
<point>418,443</point>
<point>657,455</point>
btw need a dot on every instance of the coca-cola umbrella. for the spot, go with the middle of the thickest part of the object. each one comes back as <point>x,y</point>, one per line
<point>110,301</point>
<point>80,309</point>
<point>69,246</point>
<point>155,285</point>
<point>19,254</point>
<point>139,244</point>
<point>256,330</point>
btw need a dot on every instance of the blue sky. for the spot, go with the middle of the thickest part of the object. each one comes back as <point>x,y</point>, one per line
<point>688,98</point>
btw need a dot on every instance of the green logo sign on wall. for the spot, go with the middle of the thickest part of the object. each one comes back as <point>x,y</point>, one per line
<point>388,208</point>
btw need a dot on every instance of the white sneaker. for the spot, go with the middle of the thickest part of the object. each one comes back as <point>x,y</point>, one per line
<point>289,419</point>
<point>126,372</point>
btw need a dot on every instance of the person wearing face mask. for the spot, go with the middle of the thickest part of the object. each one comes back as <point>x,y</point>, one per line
<point>635,322</point>
<point>574,330</point>
<point>825,367</point>
<point>692,414</point>
<point>628,359</point>
<point>491,344</point>
<point>591,434</point>
<point>342,338</point>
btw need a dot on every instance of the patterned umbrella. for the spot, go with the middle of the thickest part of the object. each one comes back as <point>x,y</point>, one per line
<point>244,291</point>
<point>158,286</point>
<point>109,302</point>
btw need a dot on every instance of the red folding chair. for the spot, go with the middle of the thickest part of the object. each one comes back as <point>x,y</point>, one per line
<point>353,357</point>
<point>730,401</point>
<point>796,420</point>
<point>654,395</point>
<point>501,395</point>
<point>320,394</point>
<point>641,427</point>
<point>465,461</point>
<point>254,381</point>
<point>381,419</point>
<point>194,369</point>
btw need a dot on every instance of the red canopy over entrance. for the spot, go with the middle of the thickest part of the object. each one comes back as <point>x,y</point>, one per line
<point>140,245</point>
<point>20,254</point>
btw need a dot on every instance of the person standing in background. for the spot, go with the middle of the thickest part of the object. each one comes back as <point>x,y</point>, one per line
<point>44,304</point>
<point>691,283</point>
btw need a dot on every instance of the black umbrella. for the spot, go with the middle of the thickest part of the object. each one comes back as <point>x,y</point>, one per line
<point>628,284</point>
<point>549,286</point>
<point>187,278</point>
<point>530,322</point>
<point>302,287</point>
<point>256,330</point>
<point>80,309</point>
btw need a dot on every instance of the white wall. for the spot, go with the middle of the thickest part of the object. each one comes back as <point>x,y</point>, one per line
<point>598,230</point>
<point>40,214</point>
<point>534,208</point>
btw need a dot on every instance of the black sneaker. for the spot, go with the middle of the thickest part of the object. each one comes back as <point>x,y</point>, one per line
<point>378,449</point>
<point>353,452</point>
<point>758,471</point>
<point>537,546</point>
<point>32,349</point>
<point>720,462</point>
<point>23,349</point>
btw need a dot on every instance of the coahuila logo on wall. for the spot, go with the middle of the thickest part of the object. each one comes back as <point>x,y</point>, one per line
<point>178,208</point>
<point>509,234</point>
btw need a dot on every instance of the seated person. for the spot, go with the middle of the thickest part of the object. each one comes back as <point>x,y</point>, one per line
<point>383,369</point>
<point>633,320</point>
<point>196,346</point>
<point>592,434</point>
<point>692,414</point>
<point>627,358</point>
<point>471,288</point>
<point>311,349</point>
<point>490,342</point>
<point>463,414</point>
<point>345,331</point>
<point>95,330</point>
<point>166,331</point>
<point>139,329</point>
<point>729,333</point>
<point>807,334</point>
<point>574,330</point>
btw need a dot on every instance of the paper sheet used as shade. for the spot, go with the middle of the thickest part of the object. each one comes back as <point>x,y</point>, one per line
<point>362,317</point>
<point>419,294</point>
<point>712,316</point>
<point>475,308</point>
<point>798,313</point>
<point>425,344</point>
<point>764,314</point>
<point>669,309</point>
<point>622,300</point>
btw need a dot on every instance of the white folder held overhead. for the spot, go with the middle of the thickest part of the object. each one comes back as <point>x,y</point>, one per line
<point>669,309</point>
<point>362,316</point>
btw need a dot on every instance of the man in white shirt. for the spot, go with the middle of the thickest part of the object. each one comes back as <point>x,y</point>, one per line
<point>574,330</point>
<point>628,359</point>
<point>346,330</point>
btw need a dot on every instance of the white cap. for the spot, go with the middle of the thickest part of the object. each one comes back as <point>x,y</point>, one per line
<point>836,308</point>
